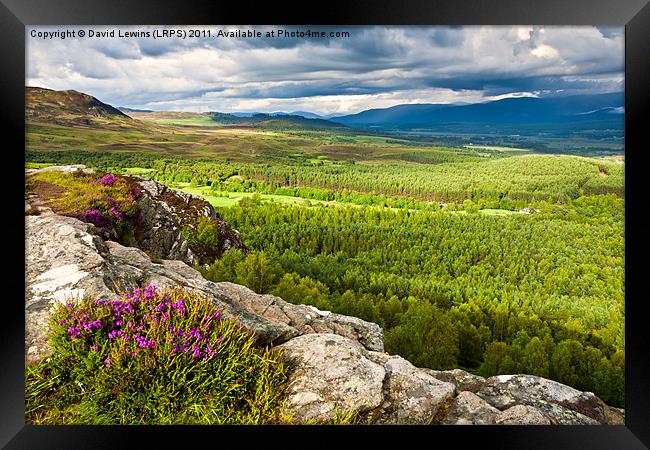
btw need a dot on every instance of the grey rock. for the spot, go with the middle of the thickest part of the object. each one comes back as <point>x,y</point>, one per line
<point>330,375</point>
<point>411,396</point>
<point>160,234</point>
<point>522,415</point>
<point>462,380</point>
<point>560,403</point>
<point>307,319</point>
<point>64,169</point>
<point>470,409</point>
<point>165,211</point>
<point>64,261</point>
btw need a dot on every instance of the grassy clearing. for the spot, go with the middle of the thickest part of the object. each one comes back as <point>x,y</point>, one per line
<point>34,165</point>
<point>489,212</point>
<point>194,122</point>
<point>229,199</point>
<point>498,148</point>
<point>137,171</point>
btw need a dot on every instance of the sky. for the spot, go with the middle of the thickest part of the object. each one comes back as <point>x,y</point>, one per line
<point>375,67</point>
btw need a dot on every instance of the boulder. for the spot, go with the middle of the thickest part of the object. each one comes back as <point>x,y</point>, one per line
<point>165,211</point>
<point>159,235</point>
<point>463,381</point>
<point>306,319</point>
<point>560,403</point>
<point>522,415</point>
<point>411,395</point>
<point>64,261</point>
<point>470,409</point>
<point>330,375</point>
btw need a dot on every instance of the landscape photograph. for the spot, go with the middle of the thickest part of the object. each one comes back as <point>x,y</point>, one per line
<point>309,225</point>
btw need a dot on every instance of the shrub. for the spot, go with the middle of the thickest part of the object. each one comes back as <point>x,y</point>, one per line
<point>204,238</point>
<point>106,201</point>
<point>153,358</point>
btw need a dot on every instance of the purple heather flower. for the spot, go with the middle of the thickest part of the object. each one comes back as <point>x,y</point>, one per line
<point>94,347</point>
<point>107,362</point>
<point>93,216</point>
<point>108,180</point>
<point>150,291</point>
<point>117,213</point>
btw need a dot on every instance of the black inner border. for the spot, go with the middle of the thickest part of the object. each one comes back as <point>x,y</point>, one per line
<point>16,14</point>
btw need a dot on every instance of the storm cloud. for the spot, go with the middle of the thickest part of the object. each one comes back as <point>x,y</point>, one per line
<point>374,67</point>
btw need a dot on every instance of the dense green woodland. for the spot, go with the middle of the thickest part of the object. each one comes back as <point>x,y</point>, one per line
<point>492,181</point>
<point>490,293</point>
<point>539,293</point>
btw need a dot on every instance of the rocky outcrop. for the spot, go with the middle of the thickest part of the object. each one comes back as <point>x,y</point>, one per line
<point>411,396</point>
<point>470,409</point>
<point>337,363</point>
<point>462,381</point>
<point>164,213</point>
<point>522,415</point>
<point>331,375</point>
<point>561,404</point>
<point>67,259</point>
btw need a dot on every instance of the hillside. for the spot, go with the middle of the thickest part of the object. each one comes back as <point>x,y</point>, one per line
<point>577,110</point>
<point>46,105</point>
<point>336,364</point>
<point>214,119</point>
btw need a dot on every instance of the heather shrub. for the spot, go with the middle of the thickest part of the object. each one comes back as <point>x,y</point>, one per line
<point>107,201</point>
<point>153,357</point>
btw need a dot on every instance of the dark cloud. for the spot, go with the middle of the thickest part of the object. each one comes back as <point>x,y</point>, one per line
<point>610,33</point>
<point>372,68</point>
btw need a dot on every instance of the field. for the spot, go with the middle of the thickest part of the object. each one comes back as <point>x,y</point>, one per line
<point>492,258</point>
<point>228,199</point>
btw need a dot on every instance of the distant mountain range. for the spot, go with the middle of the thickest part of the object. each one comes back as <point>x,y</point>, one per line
<point>520,110</point>
<point>601,116</point>
<point>128,110</point>
<point>305,114</point>
<point>274,120</point>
